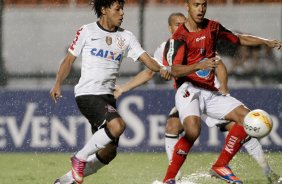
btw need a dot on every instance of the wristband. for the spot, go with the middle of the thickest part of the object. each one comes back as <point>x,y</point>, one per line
<point>167,68</point>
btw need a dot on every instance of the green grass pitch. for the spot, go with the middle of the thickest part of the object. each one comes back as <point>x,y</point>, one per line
<point>128,168</point>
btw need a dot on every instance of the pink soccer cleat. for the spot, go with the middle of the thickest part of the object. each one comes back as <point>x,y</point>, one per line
<point>77,169</point>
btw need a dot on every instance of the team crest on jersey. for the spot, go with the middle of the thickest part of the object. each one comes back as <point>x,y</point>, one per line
<point>109,40</point>
<point>120,42</point>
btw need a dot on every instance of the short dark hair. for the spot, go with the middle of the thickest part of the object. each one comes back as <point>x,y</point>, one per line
<point>177,14</point>
<point>97,5</point>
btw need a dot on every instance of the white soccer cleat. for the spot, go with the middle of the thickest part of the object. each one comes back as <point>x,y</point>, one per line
<point>274,178</point>
<point>157,182</point>
<point>57,181</point>
<point>65,180</point>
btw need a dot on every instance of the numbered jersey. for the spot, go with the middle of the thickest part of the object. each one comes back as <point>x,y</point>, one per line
<point>102,54</point>
<point>187,48</point>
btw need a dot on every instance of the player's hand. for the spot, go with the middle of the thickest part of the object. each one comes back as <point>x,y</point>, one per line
<point>223,91</point>
<point>118,91</point>
<point>210,63</point>
<point>166,73</point>
<point>275,44</point>
<point>55,93</point>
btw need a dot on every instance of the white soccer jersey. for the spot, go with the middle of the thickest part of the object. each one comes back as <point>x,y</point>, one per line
<point>158,54</point>
<point>102,53</point>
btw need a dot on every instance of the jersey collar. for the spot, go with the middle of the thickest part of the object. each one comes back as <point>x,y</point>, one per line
<point>100,26</point>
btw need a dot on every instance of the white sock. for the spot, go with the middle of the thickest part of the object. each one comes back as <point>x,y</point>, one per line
<point>170,141</point>
<point>254,148</point>
<point>67,178</point>
<point>93,165</point>
<point>98,141</point>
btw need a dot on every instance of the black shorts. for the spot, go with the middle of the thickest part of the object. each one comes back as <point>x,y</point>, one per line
<point>98,109</point>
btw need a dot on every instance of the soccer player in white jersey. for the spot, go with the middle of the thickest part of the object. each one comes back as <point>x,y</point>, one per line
<point>174,128</point>
<point>103,45</point>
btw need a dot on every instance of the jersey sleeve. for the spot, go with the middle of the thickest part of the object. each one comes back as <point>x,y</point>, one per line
<point>158,54</point>
<point>78,42</point>
<point>174,52</point>
<point>134,50</point>
<point>226,34</point>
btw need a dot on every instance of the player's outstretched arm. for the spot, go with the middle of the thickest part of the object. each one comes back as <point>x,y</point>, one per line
<point>150,62</point>
<point>62,74</point>
<point>250,40</point>
<point>141,78</point>
<point>155,66</point>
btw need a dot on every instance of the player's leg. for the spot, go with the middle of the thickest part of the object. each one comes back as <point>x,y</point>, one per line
<point>172,130</point>
<point>102,137</point>
<point>228,108</point>
<point>233,143</point>
<point>189,111</point>
<point>225,172</point>
<point>101,112</point>
<point>192,129</point>
<point>97,142</point>
<point>102,158</point>
<point>254,148</point>
<point>94,163</point>
<point>235,137</point>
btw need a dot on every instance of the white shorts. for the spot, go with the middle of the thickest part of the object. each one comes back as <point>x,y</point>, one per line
<point>211,122</point>
<point>194,101</point>
<point>173,111</point>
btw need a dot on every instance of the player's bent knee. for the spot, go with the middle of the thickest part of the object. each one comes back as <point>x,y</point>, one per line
<point>116,127</point>
<point>172,126</point>
<point>192,130</point>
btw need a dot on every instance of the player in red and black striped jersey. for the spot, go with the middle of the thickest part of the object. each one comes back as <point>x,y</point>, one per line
<point>189,48</point>
<point>191,54</point>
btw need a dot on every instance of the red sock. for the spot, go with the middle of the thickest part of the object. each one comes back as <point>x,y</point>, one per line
<point>233,143</point>
<point>180,152</point>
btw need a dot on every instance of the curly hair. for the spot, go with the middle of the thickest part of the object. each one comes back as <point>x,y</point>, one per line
<point>97,5</point>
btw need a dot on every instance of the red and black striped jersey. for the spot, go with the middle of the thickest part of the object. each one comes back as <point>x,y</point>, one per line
<point>187,48</point>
